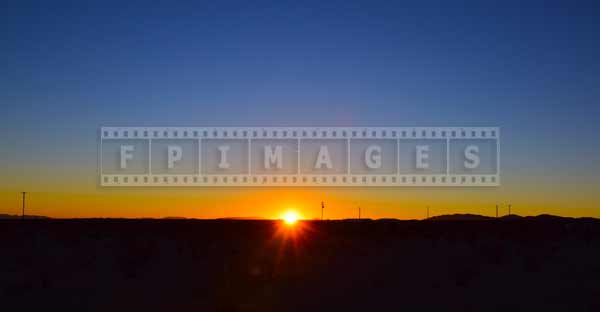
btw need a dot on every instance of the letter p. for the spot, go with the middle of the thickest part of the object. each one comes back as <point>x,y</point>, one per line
<point>175,153</point>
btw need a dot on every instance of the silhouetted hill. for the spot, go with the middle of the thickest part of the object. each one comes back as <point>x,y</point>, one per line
<point>550,217</point>
<point>7,216</point>
<point>512,217</point>
<point>357,220</point>
<point>474,217</point>
<point>459,217</point>
<point>241,218</point>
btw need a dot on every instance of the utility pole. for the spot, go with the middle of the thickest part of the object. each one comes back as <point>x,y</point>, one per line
<point>23,208</point>
<point>509,206</point>
<point>496,210</point>
<point>427,212</point>
<point>322,207</point>
<point>358,212</point>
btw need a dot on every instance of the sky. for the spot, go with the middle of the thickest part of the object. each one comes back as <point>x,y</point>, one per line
<point>68,68</point>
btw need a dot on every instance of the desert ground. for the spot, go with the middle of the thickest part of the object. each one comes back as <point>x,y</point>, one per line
<point>540,263</point>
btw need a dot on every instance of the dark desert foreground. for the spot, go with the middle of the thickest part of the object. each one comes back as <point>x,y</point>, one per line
<point>535,264</point>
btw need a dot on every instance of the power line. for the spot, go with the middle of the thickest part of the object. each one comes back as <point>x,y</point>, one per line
<point>322,207</point>
<point>23,208</point>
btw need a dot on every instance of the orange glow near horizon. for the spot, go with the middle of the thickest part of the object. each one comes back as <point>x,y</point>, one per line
<point>62,200</point>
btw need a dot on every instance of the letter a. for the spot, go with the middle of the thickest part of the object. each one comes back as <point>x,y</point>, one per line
<point>323,158</point>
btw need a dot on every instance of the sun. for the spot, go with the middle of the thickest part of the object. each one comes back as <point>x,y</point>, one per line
<point>290,217</point>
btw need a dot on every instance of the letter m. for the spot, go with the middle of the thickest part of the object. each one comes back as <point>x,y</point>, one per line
<point>273,157</point>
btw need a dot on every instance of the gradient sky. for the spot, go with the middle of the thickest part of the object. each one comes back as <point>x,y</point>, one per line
<point>68,68</point>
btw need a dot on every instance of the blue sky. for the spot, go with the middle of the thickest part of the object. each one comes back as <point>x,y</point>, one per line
<point>530,68</point>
